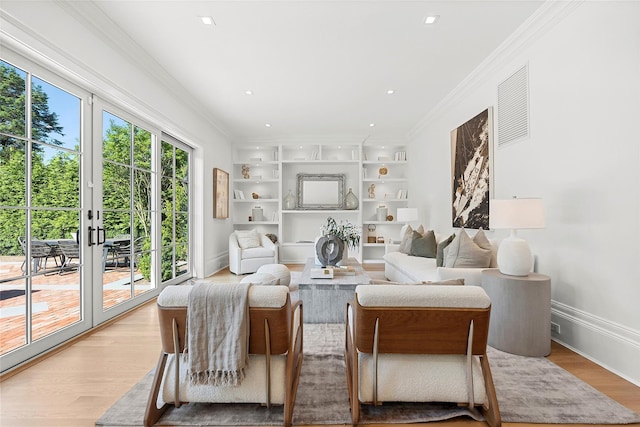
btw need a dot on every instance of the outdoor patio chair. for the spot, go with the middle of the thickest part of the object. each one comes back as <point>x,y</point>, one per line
<point>121,253</point>
<point>70,250</point>
<point>39,251</point>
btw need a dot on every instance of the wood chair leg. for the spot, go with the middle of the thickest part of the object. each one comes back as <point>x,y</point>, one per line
<point>153,413</point>
<point>492,411</point>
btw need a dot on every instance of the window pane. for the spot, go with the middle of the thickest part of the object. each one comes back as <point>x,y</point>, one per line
<point>142,149</point>
<point>167,264</point>
<point>12,173</point>
<point>182,228</point>
<point>13,322</point>
<point>116,181</point>
<point>182,164</point>
<point>142,230</point>
<point>55,115</point>
<point>167,159</point>
<point>55,177</point>
<point>167,194</point>
<point>13,116</point>
<point>117,225</point>
<point>182,196</point>
<point>142,191</point>
<point>182,259</point>
<point>116,140</point>
<point>12,227</point>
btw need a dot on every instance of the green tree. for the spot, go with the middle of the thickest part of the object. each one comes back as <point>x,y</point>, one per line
<point>13,111</point>
<point>13,156</point>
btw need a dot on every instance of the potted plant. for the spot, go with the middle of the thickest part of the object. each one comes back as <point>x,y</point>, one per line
<point>345,231</point>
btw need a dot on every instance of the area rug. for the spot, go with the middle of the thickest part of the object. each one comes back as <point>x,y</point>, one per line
<point>529,390</point>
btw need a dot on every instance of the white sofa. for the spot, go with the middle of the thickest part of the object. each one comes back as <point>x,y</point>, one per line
<point>403,268</point>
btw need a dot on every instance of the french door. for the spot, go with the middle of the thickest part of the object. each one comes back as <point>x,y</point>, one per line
<point>126,201</point>
<point>45,160</point>
<point>94,210</point>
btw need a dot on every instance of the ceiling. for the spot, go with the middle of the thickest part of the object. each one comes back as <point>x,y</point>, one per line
<point>315,67</point>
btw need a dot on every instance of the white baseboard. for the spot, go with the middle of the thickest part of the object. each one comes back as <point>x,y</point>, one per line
<point>216,264</point>
<point>610,345</point>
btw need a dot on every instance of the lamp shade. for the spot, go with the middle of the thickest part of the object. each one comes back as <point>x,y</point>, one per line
<point>516,213</point>
<point>407,214</point>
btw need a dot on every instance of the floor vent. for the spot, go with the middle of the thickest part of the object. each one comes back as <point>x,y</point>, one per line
<point>513,107</point>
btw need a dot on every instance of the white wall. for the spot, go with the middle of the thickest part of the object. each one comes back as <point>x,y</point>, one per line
<point>52,35</point>
<point>583,159</point>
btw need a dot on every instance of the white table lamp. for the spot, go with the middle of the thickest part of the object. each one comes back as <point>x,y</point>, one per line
<point>406,215</point>
<point>514,255</point>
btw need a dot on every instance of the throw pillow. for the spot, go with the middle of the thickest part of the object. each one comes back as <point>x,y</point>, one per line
<point>481,240</point>
<point>420,230</point>
<point>405,243</point>
<point>424,245</point>
<point>441,248</point>
<point>248,239</point>
<point>456,282</point>
<point>463,252</point>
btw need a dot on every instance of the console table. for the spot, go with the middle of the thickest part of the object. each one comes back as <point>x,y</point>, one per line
<point>325,300</point>
<point>520,312</point>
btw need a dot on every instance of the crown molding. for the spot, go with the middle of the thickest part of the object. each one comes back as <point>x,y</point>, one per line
<point>546,17</point>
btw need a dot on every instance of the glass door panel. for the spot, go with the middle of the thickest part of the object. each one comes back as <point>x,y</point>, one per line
<point>127,201</point>
<point>41,159</point>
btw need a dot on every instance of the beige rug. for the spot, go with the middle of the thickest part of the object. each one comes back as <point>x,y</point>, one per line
<point>530,390</point>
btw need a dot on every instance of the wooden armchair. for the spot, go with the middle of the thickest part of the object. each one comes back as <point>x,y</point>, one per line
<point>275,354</point>
<point>419,343</point>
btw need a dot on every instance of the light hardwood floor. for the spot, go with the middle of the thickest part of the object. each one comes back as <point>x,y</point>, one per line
<point>75,386</point>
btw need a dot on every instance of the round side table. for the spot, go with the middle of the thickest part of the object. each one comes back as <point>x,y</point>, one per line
<point>520,312</point>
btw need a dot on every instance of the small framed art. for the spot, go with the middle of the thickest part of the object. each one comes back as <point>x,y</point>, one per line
<point>220,193</point>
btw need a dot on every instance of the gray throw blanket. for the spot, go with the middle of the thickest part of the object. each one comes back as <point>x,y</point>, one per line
<point>218,333</point>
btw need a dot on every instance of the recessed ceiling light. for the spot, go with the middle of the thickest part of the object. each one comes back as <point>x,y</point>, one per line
<point>207,20</point>
<point>391,92</point>
<point>372,124</point>
<point>248,92</point>
<point>431,19</point>
<point>268,125</point>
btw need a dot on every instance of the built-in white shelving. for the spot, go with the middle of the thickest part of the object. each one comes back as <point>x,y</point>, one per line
<point>262,175</point>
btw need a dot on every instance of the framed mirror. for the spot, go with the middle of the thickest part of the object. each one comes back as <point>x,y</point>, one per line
<point>320,191</point>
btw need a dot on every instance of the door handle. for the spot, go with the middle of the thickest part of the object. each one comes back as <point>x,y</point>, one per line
<point>104,235</point>
<point>90,238</point>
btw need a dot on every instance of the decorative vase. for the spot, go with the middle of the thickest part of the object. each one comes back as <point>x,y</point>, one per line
<point>289,202</point>
<point>351,200</point>
<point>329,250</point>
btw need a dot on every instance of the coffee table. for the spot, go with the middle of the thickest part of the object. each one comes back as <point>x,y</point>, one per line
<point>325,300</point>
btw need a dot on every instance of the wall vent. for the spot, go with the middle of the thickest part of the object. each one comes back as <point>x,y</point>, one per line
<point>513,107</point>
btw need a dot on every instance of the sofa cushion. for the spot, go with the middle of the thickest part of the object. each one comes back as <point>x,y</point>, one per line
<point>440,249</point>
<point>259,296</point>
<point>424,245</point>
<point>248,239</point>
<point>422,296</point>
<point>405,242</point>
<point>259,252</point>
<point>464,252</point>
<point>415,269</point>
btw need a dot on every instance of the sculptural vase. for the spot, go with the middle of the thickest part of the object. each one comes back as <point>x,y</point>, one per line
<point>330,251</point>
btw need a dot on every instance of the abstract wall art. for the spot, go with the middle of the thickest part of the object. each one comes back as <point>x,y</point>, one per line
<point>471,157</point>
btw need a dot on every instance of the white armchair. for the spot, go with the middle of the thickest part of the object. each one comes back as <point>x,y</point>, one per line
<point>249,250</point>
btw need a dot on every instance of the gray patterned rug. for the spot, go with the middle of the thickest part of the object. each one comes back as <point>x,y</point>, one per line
<point>530,390</point>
